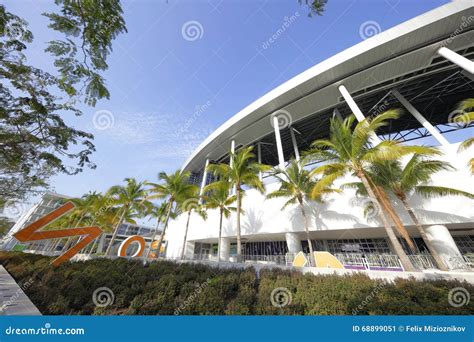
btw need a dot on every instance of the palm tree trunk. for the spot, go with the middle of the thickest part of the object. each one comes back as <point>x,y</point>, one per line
<point>387,205</point>
<point>438,259</point>
<point>153,237</point>
<point>114,235</point>
<point>94,244</point>
<point>219,244</point>
<point>67,243</point>
<point>164,228</point>
<point>185,235</point>
<point>96,239</point>
<point>306,228</point>
<point>406,263</point>
<point>239,243</point>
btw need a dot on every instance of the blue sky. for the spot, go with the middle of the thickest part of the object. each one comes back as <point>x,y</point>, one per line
<point>159,77</point>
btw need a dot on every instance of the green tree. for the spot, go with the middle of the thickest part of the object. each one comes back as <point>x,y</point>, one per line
<point>349,150</point>
<point>35,141</point>
<point>243,170</point>
<point>414,177</point>
<point>297,184</point>
<point>173,188</point>
<point>466,107</point>
<point>316,7</point>
<point>131,202</point>
<point>218,198</point>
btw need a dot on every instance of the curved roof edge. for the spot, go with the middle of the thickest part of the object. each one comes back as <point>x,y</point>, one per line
<point>393,33</point>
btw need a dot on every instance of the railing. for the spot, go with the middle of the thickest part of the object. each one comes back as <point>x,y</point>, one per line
<point>380,262</point>
<point>465,262</point>
<point>423,261</point>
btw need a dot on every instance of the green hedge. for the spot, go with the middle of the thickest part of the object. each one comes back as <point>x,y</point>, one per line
<point>167,288</point>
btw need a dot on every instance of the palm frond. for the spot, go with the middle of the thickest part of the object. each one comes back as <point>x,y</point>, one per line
<point>430,191</point>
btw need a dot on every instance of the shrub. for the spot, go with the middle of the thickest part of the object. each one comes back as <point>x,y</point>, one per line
<point>168,288</point>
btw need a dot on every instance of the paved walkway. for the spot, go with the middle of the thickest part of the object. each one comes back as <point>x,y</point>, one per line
<point>13,301</point>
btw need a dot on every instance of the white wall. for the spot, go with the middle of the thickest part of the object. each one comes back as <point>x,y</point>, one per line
<point>340,211</point>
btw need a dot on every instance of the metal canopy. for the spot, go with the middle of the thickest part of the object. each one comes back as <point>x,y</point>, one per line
<point>402,58</point>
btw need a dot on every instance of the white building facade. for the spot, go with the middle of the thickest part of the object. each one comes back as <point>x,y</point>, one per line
<point>424,67</point>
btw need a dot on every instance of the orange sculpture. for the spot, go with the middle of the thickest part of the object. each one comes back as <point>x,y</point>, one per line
<point>31,233</point>
<point>122,251</point>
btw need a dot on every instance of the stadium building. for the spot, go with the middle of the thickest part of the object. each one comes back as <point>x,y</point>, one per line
<point>424,67</point>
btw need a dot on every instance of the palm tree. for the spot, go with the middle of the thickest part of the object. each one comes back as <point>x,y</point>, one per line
<point>174,188</point>
<point>159,213</point>
<point>467,107</point>
<point>349,150</point>
<point>190,204</point>
<point>297,184</point>
<point>218,198</point>
<point>131,201</point>
<point>414,178</point>
<point>243,170</point>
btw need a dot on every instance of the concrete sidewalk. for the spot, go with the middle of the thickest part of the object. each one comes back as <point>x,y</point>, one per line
<point>13,301</point>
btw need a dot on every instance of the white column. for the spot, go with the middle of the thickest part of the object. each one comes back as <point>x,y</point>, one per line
<point>293,242</point>
<point>225,249</point>
<point>281,158</point>
<point>443,242</point>
<point>295,145</point>
<point>189,250</point>
<point>355,110</point>
<point>204,178</point>
<point>259,156</point>
<point>457,59</point>
<point>421,119</point>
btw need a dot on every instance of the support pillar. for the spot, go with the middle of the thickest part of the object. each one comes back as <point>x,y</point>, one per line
<point>225,249</point>
<point>295,145</point>
<point>281,158</point>
<point>421,119</point>
<point>204,179</point>
<point>189,250</point>
<point>293,242</point>
<point>457,59</point>
<point>356,110</point>
<point>443,242</point>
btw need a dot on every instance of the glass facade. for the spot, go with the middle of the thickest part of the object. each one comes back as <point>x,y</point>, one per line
<point>465,243</point>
